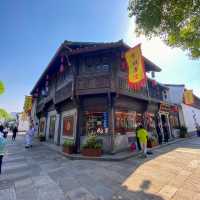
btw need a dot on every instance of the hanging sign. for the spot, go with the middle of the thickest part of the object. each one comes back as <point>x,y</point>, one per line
<point>28,104</point>
<point>136,70</point>
<point>105,119</point>
<point>188,97</point>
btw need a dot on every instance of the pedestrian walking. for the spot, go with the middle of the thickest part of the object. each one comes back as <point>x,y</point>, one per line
<point>2,148</point>
<point>1,128</point>
<point>159,132</point>
<point>5,132</point>
<point>143,136</point>
<point>166,133</point>
<point>29,136</point>
<point>15,130</point>
<point>137,139</point>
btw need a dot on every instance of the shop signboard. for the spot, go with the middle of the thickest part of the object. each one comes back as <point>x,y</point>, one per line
<point>105,119</point>
<point>28,104</point>
<point>188,97</point>
<point>136,69</point>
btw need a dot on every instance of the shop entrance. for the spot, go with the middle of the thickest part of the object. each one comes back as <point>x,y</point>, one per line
<point>52,128</point>
<point>164,120</point>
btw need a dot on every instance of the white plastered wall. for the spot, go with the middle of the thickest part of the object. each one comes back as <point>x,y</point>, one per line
<point>188,113</point>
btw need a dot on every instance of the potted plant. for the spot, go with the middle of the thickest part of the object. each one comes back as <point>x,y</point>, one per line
<point>42,137</point>
<point>183,132</point>
<point>92,147</point>
<point>68,146</point>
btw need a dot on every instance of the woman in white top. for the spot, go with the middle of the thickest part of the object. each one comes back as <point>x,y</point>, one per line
<point>29,136</point>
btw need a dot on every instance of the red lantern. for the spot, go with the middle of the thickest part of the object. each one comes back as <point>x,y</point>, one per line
<point>61,68</point>
<point>123,62</point>
<point>62,65</point>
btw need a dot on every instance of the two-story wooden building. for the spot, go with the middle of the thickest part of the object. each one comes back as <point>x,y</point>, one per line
<point>84,91</point>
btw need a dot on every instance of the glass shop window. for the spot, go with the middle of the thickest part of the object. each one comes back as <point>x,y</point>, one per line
<point>150,121</point>
<point>174,121</point>
<point>95,123</point>
<point>125,122</point>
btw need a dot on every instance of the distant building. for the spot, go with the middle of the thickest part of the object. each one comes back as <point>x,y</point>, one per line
<point>23,122</point>
<point>189,115</point>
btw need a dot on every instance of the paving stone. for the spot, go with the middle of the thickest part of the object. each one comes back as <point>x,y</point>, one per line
<point>42,181</point>
<point>50,192</point>
<point>101,192</point>
<point>8,194</point>
<point>168,191</point>
<point>6,184</point>
<point>23,183</point>
<point>42,174</point>
<point>68,183</point>
<point>80,194</point>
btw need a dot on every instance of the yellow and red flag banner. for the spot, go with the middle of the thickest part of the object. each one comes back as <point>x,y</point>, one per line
<point>136,70</point>
<point>28,104</point>
<point>188,97</point>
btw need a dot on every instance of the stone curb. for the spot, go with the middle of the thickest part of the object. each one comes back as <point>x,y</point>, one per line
<point>112,157</point>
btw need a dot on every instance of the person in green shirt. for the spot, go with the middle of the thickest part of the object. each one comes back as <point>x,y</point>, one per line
<point>142,135</point>
<point>2,148</point>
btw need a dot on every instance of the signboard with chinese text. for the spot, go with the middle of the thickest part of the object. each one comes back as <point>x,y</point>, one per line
<point>188,97</point>
<point>136,70</point>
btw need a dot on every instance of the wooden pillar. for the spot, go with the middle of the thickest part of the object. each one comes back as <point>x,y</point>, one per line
<point>79,124</point>
<point>111,119</point>
<point>59,124</point>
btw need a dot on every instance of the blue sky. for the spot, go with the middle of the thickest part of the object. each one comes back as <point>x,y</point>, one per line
<point>31,31</point>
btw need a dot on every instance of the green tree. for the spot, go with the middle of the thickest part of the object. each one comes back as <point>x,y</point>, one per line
<point>176,22</point>
<point>2,87</point>
<point>4,114</point>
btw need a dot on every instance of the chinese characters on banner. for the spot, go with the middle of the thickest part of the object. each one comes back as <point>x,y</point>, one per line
<point>136,70</point>
<point>188,97</point>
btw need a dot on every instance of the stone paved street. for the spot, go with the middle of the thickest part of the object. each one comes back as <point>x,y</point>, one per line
<point>173,172</point>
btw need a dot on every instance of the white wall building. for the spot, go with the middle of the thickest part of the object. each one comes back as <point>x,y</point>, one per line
<point>189,115</point>
<point>23,123</point>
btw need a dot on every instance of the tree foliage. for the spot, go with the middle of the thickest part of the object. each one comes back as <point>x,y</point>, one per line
<point>2,87</point>
<point>177,22</point>
<point>4,114</point>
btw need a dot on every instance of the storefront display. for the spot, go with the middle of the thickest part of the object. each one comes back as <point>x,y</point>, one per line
<point>96,123</point>
<point>125,122</point>
<point>150,121</point>
<point>42,126</point>
<point>174,121</point>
